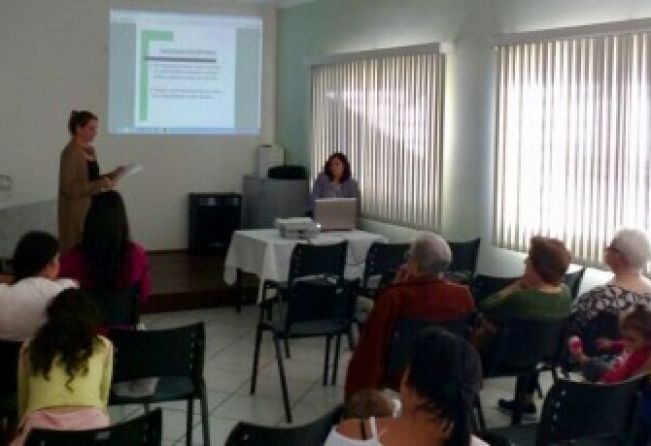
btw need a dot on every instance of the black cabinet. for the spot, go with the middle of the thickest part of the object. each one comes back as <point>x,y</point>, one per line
<point>213,219</point>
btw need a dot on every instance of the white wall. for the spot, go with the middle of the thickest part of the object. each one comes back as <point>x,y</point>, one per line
<point>339,26</point>
<point>53,58</point>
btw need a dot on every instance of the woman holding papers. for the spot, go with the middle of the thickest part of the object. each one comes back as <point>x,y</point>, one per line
<point>79,177</point>
<point>335,181</point>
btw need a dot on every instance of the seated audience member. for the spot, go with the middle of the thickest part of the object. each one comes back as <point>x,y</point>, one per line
<point>64,372</point>
<point>22,304</point>
<point>419,292</point>
<point>106,258</point>
<point>437,391</point>
<point>369,403</point>
<point>538,294</point>
<point>627,256</point>
<point>634,350</point>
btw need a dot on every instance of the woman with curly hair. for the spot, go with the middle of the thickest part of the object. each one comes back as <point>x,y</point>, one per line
<point>64,372</point>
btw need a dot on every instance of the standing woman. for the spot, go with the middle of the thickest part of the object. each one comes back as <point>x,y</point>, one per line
<point>79,177</point>
<point>335,181</point>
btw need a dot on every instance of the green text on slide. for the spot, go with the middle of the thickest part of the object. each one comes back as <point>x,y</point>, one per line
<point>146,37</point>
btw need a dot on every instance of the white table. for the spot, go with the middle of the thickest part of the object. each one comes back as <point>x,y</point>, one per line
<point>266,254</point>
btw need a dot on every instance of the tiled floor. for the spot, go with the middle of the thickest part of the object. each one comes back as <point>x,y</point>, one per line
<point>229,353</point>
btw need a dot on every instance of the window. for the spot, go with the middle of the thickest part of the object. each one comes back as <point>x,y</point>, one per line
<point>572,141</point>
<point>385,113</point>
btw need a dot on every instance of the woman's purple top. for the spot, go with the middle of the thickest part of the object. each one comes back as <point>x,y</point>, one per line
<point>324,188</point>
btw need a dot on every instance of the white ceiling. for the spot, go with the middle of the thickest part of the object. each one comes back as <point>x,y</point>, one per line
<point>278,3</point>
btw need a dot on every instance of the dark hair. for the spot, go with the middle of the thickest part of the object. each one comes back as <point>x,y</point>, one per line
<point>638,319</point>
<point>550,258</point>
<point>33,252</point>
<point>79,119</point>
<point>445,371</point>
<point>341,157</point>
<point>105,243</point>
<point>68,335</point>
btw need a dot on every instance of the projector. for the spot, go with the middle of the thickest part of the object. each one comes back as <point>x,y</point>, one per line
<point>297,227</point>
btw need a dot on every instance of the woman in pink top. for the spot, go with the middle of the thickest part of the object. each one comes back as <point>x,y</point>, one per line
<point>107,258</point>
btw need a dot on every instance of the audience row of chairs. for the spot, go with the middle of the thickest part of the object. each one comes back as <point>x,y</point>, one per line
<point>175,356</point>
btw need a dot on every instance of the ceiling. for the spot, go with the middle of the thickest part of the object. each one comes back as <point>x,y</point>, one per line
<point>278,3</point>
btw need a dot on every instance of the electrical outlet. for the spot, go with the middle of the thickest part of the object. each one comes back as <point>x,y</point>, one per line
<point>6,185</point>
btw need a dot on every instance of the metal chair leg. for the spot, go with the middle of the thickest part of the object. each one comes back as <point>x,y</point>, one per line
<point>326,361</point>
<point>335,367</point>
<point>256,357</point>
<point>188,422</point>
<point>283,380</point>
<point>205,424</point>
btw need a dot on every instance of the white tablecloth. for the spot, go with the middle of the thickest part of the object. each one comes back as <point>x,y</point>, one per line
<point>264,253</point>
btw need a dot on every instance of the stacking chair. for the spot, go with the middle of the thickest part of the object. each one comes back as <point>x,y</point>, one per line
<point>523,348</point>
<point>120,308</point>
<point>483,286</point>
<point>382,259</point>
<point>311,434</point>
<point>320,307</point>
<point>577,412</point>
<point>406,330</point>
<point>464,261</point>
<point>9,352</point>
<point>307,261</point>
<point>145,430</point>
<point>573,282</point>
<point>175,356</point>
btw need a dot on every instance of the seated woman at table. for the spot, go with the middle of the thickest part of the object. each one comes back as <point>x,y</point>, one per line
<point>335,181</point>
<point>107,259</point>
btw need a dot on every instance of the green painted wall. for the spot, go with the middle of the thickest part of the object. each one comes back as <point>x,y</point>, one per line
<point>340,26</point>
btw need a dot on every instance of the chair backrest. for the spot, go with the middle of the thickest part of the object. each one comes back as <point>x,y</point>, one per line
<point>9,352</point>
<point>317,260</point>
<point>174,352</point>
<point>120,308</point>
<point>483,286</point>
<point>527,342</point>
<point>320,299</point>
<point>311,434</point>
<point>382,258</point>
<point>464,258</point>
<point>573,281</point>
<point>144,430</point>
<point>405,332</point>
<point>580,410</point>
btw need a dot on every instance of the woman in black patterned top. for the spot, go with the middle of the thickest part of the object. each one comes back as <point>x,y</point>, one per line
<point>627,256</point>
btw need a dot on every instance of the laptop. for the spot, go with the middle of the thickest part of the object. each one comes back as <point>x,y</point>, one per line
<point>336,214</point>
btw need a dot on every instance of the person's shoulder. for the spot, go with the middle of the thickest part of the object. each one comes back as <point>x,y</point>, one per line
<point>103,343</point>
<point>138,249</point>
<point>350,428</point>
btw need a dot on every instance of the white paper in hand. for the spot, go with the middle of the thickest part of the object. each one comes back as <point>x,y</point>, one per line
<point>130,169</point>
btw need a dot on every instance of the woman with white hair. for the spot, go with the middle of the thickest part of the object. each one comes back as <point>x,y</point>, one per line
<point>627,256</point>
<point>419,291</point>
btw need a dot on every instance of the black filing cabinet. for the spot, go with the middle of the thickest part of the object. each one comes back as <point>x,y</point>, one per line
<point>213,219</point>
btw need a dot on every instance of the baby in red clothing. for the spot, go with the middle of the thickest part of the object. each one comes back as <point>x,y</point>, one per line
<point>634,350</point>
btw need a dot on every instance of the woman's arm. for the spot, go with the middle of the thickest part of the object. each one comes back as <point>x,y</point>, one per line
<point>23,380</point>
<point>107,372</point>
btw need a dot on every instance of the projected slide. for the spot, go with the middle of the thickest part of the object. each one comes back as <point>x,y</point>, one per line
<point>184,74</point>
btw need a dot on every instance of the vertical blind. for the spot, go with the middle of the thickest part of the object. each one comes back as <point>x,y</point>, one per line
<point>572,141</point>
<point>385,114</point>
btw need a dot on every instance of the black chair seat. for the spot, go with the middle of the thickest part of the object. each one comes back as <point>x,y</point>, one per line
<point>168,388</point>
<point>9,405</point>
<point>312,328</point>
